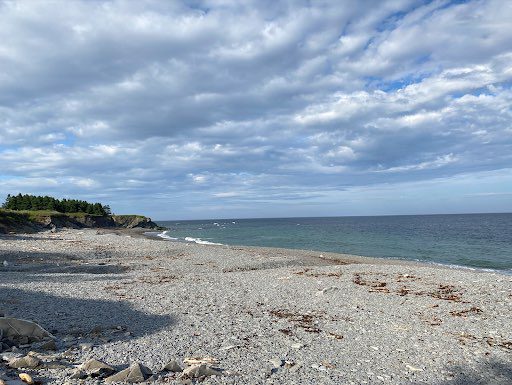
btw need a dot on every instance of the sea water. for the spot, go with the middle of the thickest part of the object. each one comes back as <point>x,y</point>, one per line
<point>481,241</point>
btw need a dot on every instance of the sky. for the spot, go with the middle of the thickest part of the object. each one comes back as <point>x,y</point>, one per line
<point>227,109</point>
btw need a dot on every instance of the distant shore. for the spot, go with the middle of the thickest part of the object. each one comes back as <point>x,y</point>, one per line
<point>265,315</point>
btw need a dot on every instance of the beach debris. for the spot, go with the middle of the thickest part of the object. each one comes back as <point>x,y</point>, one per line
<point>413,368</point>
<point>305,321</point>
<point>336,336</point>
<point>228,347</point>
<point>95,368</point>
<point>199,360</point>
<point>465,313</point>
<point>22,331</point>
<point>27,362</point>
<point>297,345</point>
<point>133,374</point>
<point>26,378</point>
<point>318,367</point>
<point>172,366</point>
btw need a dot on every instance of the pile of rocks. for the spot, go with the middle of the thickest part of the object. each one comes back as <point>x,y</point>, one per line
<point>27,350</point>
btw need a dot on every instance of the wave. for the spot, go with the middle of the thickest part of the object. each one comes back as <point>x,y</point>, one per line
<point>164,235</point>
<point>200,241</point>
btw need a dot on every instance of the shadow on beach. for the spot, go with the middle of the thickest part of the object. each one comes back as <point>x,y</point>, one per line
<point>492,372</point>
<point>64,315</point>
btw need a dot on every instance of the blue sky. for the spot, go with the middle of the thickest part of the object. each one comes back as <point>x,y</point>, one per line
<point>212,109</point>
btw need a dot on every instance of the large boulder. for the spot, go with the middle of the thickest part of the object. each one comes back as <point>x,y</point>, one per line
<point>19,330</point>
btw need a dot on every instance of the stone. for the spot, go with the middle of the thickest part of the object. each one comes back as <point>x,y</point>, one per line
<point>172,366</point>
<point>20,330</point>
<point>45,345</point>
<point>134,374</point>
<point>26,378</point>
<point>27,362</point>
<point>96,368</point>
<point>277,362</point>
<point>86,346</point>
<point>327,290</point>
<point>8,356</point>
<point>78,374</point>
<point>200,370</point>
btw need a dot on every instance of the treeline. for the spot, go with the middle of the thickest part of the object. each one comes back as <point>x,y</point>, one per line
<point>33,202</point>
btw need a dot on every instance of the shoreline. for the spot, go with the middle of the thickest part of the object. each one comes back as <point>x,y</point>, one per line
<point>334,255</point>
<point>266,315</point>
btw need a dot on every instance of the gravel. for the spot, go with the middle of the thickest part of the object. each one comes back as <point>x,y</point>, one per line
<point>266,316</point>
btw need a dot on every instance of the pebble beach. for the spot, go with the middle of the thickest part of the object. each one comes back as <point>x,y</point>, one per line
<point>252,315</point>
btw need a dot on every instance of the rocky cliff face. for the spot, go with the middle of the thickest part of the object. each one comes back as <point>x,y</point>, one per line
<point>133,221</point>
<point>20,222</point>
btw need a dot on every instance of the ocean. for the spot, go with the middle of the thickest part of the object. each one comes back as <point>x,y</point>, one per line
<point>482,241</point>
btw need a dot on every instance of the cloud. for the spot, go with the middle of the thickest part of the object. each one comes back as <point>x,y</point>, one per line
<point>250,102</point>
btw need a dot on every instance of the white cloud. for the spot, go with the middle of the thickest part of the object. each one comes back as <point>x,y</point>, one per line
<point>221,98</point>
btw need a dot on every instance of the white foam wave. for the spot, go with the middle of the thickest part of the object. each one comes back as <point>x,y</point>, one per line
<point>200,241</point>
<point>165,235</point>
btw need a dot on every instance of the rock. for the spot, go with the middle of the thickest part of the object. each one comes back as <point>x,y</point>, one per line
<point>200,370</point>
<point>135,373</point>
<point>45,345</point>
<point>86,346</point>
<point>10,381</point>
<point>327,290</point>
<point>78,374</point>
<point>27,362</point>
<point>289,364</point>
<point>10,355</point>
<point>26,378</point>
<point>96,368</point>
<point>20,330</point>
<point>277,362</point>
<point>172,366</point>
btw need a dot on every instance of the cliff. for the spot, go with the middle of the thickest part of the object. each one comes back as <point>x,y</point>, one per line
<point>33,221</point>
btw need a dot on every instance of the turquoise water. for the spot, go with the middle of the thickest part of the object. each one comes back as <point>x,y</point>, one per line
<point>471,240</point>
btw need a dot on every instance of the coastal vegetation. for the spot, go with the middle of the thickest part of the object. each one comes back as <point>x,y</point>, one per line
<point>32,213</point>
<point>26,202</point>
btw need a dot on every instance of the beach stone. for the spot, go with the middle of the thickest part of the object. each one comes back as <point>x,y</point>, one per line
<point>327,290</point>
<point>26,378</point>
<point>86,346</point>
<point>22,331</point>
<point>27,362</point>
<point>277,362</point>
<point>10,355</point>
<point>172,366</point>
<point>96,368</point>
<point>78,374</point>
<point>200,370</point>
<point>134,374</point>
<point>45,345</point>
